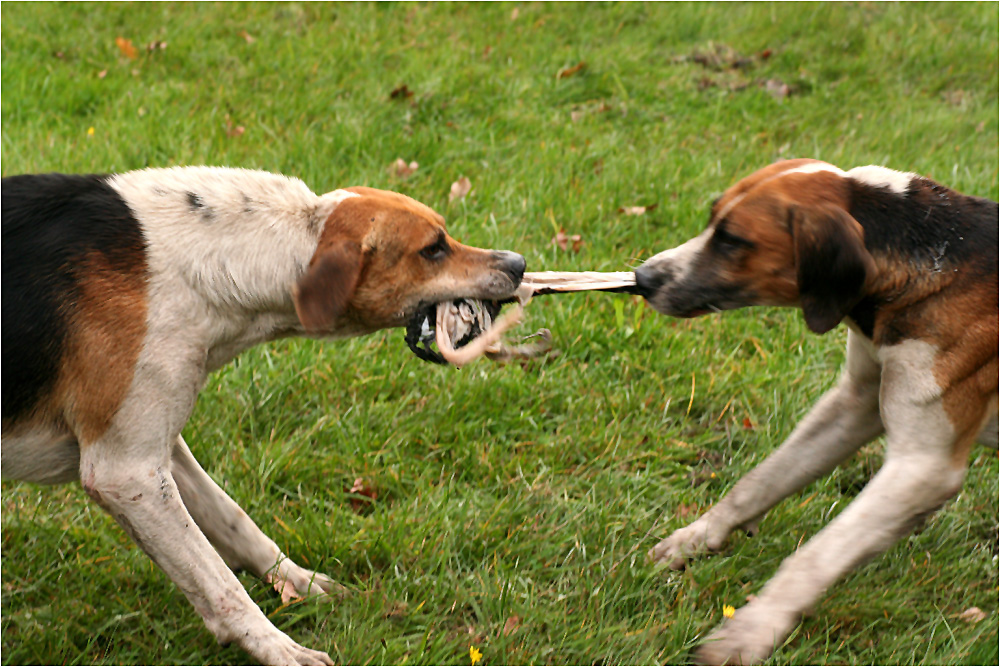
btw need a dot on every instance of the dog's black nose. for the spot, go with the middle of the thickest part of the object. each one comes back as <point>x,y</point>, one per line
<point>510,263</point>
<point>647,281</point>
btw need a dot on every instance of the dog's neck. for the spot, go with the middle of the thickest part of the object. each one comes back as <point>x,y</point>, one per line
<point>225,249</point>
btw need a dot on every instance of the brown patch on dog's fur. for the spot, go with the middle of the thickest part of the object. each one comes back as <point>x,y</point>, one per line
<point>105,337</point>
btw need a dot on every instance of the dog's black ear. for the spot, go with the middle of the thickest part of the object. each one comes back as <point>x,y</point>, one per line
<point>323,293</point>
<point>831,263</point>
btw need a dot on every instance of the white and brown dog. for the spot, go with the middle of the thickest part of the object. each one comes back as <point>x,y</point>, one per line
<point>121,293</point>
<point>911,266</point>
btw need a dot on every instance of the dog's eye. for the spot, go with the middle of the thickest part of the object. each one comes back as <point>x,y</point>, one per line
<point>724,241</point>
<point>435,251</point>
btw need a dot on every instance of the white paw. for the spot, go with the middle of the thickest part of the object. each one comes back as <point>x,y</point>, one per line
<point>277,648</point>
<point>681,546</point>
<point>749,637</point>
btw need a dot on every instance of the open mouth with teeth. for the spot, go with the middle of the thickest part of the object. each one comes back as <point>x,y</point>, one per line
<point>471,318</point>
<point>464,329</point>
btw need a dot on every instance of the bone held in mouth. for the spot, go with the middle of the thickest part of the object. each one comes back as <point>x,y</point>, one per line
<point>465,329</point>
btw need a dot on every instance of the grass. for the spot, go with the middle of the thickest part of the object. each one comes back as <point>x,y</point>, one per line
<point>520,492</point>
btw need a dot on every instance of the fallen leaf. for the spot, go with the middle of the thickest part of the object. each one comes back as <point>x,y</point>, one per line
<point>459,189</point>
<point>575,116</point>
<point>765,54</point>
<point>972,615</point>
<point>636,210</point>
<point>684,510</point>
<point>598,166</point>
<point>234,131</point>
<point>103,73</point>
<point>400,169</point>
<point>361,488</point>
<point>565,242</point>
<point>401,93</point>
<point>570,71</point>
<point>747,424</point>
<point>778,89</point>
<point>398,609</point>
<point>126,48</point>
<point>156,45</point>
<point>511,625</point>
<point>250,39</point>
<point>514,14</point>
<point>283,586</point>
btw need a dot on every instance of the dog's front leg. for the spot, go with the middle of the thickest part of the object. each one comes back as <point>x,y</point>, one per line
<point>843,420</point>
<point>234,534</point>
<point>920,473</point>
<point>133,482</point>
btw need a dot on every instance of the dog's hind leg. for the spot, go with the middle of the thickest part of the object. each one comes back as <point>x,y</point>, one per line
<point>234,534</point>
<point>843,420</point>
<point>131,479</point>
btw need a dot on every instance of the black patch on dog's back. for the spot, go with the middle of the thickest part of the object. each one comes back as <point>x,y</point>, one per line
<point>929,225</point>
<point>51,223</point>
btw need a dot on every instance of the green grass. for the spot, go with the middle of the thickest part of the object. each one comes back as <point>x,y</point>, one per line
<point>530,491</point>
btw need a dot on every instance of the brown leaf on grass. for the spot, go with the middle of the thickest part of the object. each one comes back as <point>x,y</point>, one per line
<point>156,45</point>
<point>459,189</point>
<point>514,14</point>
<point>250,39</point>
<point>103,73</point>
<point>398,609</point>
<point>400,168</point>
<point>367,494</point>
<point>566,242</point>
<point>636,210</point>
<point>779,90</point>
<point>972,615</point>
<point>684,510</point>
<point>401,93</point>
<point>566,72</point>
<point>575,116</point>
<point>126,48</point>
<point>233,130</point>
<point>511,625</point>
<point>765,54</point>
<point>747,424</point>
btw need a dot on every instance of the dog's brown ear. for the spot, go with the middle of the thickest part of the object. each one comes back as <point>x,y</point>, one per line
<point>831,264</point>
<point>323,293</point>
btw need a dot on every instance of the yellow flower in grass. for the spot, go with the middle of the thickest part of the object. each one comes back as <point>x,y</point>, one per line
<point>728,610</point>
<point>475,655</point>
<point>90,131</point>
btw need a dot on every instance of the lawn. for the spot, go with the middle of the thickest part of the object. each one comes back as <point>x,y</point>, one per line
<point>513,505</point>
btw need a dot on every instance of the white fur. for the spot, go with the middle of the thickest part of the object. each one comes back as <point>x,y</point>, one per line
<point>679,259</point>
<point>223,274</point>
<point>897,182</point>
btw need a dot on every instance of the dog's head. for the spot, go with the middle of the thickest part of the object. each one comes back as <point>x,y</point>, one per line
<point>781,236</point>
<point>382,255</point>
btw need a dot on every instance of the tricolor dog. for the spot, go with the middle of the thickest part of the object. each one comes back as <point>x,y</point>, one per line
<point>121,293</point>
<point>911,267</point>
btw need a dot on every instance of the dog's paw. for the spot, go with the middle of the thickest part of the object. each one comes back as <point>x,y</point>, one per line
<point>748,638</point>
<point>294,582</point>
<point>277,648</point>
<point>681,546</point>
